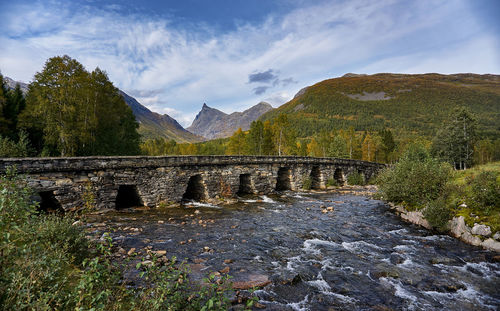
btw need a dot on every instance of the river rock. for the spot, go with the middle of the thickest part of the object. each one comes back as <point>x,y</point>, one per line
<point>416,217</point>
<point>481,230</point>
<point>160,253</point>
<point>496,236</point>
<point>458,226</point>
<point>254,280</point>
<point>467,237</point>
<point>491,244</point>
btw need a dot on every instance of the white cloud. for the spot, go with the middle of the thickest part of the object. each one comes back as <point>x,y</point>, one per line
<point>183,68</point>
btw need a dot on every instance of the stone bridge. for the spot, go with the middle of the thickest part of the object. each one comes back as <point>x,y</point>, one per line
<point>120,182</point>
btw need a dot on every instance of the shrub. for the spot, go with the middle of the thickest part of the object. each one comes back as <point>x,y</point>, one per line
<point>417,179</point>
<point>9,148</point>
<point>485,191</point>
<point>331,182</point>
<point>307,183</point>
<point>356,178</point>
<point>438,214</point>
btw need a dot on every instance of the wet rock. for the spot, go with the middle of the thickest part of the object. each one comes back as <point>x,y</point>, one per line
<point>292,281</point>
<point>481,230</point>
<point>147,263</point>
<point>228,261</point>
<point>496,258</point>
<point>439,285</point>
<point>160,253</point>
<point>329,208</point>
<point>131,251</point>
<point>467,237</point>
<point>182,242</point>
<point>491,244</point>
<point>161,221</point>
<point>254,280</point>
<point>416,217</point>
<point>225,270</point>
<point>122,251</point>
<point>442,260</point>
<point>384,274</point>
<point>396,259</point>
<point>324,211</point>
<point>322,206</point>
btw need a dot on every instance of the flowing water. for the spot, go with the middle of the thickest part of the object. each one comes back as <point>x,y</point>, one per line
<point>358,257</point>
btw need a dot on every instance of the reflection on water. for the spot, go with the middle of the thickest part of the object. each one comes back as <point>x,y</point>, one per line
<point>357,257</point>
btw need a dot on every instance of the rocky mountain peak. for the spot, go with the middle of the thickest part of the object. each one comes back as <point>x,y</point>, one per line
<point>212,123</point>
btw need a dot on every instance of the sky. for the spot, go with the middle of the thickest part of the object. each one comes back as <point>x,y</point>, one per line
<point>173,56</point>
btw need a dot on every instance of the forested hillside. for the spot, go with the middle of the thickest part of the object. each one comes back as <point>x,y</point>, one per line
<point>403,103</point>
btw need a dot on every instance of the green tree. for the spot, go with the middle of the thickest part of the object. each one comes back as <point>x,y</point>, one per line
<point>455,141</point>
<point>338,147</point>
<point>284,135</point>
<point>75,112</point>
<point>268,147</point>
<point>237,143</point>
<point>388,145</point>
<point>256,138</point>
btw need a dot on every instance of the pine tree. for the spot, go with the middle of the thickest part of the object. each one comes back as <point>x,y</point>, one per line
<point>455,140</point>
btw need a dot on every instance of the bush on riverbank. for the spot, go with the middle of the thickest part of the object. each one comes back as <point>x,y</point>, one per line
<point>47,263</point>
<point>416,180</point>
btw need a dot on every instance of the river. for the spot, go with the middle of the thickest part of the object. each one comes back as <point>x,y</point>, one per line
<point>360,256</point>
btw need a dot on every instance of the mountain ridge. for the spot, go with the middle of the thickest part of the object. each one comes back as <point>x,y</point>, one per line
<point>212,123</point>
<point>407,103</point>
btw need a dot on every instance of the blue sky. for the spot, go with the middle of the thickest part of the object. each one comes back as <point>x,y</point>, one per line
<point>173,56</point>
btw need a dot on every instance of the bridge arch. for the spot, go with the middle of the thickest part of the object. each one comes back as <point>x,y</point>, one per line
<point>195,189</point>
<point>316,177</point>
<point>246,185</point>
<point>127,196</point>
<point>48,202</point>
<point>338,176</point>
<point>283,180</point>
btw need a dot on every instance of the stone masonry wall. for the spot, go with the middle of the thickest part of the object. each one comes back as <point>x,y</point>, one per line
<point>164,179</point>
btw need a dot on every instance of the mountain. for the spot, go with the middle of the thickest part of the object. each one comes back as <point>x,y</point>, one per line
<point>154,125</point>
<point>151,124</point>
<point>12,84</point>
<point>406,103</point>
<point>212,123</point>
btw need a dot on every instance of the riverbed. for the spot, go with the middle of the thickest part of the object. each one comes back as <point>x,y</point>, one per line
<point>319,251</point>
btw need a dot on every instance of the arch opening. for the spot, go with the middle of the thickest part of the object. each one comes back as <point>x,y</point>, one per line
<point>283,182</point>
<point>127,196</point>
<point>245,185</point>
<point>48,202</point>
<point>315,178</point>
<point>338,175</point>
<point>195,190</point>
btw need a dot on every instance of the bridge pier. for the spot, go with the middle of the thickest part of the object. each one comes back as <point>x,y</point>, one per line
<point>115,182</point>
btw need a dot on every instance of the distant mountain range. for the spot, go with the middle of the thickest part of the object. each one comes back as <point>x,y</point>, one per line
<point>154,125</point>
<point>405,103</point>
<point>212,123</point>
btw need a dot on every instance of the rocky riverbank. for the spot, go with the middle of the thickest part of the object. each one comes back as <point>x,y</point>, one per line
<point>478,235</point>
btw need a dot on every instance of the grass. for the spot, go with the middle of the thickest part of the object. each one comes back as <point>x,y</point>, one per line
<point>472,212</point>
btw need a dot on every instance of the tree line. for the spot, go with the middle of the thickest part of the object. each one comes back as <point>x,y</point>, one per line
<point>67,111</point>
<point>457,142</point>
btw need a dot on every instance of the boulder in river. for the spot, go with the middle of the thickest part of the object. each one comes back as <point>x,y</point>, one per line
<point>254,280</point>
